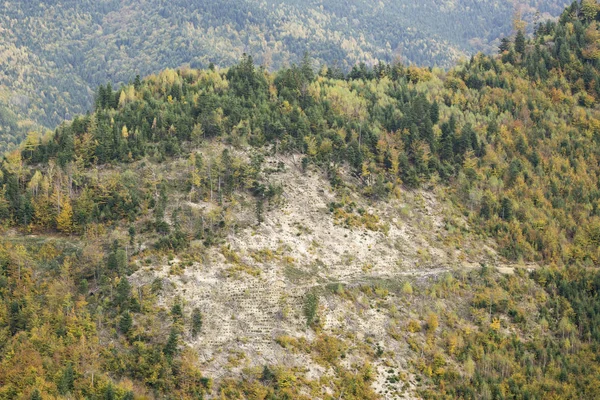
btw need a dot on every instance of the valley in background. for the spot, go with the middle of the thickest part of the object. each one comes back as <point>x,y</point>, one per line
<point>388,232</point>
<point>54,54</point>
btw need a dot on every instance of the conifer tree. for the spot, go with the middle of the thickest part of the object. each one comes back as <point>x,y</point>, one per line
<point>504,45</point>
<point>196,322</point>
<point>520,42</point>
<point>125,323</point>
<point>172,344</point>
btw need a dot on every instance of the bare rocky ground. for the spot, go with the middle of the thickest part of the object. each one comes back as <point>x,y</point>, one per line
<point>251,291</point>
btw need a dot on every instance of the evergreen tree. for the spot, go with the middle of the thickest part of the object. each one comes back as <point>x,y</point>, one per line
<point>125,323</point>
<point>311,306</point>
<point>137,84</point>
<point>504,45</point>
<point>177,312</point>
<point>172,344</point>
<point>109,393</point>
<point>520,42</point>
<point>131,232</point>
<point>447,141</point>
<point>107,96</point>
<point>435,112</point>
<point>306,68</point>
<point>66,382</point>
<point>259,209</point>
<point>101,97</point>
<point>506,209</point>
<point>196,322</point>
<point>123,293</point>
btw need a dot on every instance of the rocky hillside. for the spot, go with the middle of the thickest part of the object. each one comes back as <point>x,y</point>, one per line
<point>363,264</point>
<point>394,232</point>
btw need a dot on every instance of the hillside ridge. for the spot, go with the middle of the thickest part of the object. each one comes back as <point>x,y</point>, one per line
<point>55,54</point>
<point>393,232</point>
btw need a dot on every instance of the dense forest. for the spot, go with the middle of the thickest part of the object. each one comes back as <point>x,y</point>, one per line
<point>512,139</point>
<point>55,53</point>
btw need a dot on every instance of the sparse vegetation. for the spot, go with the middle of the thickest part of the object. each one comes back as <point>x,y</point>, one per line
<point>129,235</point>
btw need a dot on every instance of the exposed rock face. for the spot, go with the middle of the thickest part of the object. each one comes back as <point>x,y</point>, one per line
<point>252,290</point>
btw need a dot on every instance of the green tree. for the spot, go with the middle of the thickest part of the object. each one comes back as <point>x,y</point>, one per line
<point>504,45</point>
<point>125,323</point>
<point>310,308</point>
<point>447,141</point>
<point>177,312</point>
<point>171,347</point>
<point>506,209</point>
<point>435,112</point>
<point>260,204</point>
<point>132,233</point>
<point>520,42</point>
<point>307,68</point>
<point>123,293</point>
<point>196,322</point>
<point>109,393</point>
<point>66,382</point>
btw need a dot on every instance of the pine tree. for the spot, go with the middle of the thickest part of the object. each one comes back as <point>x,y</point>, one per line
<point>137,84</point>
<point>100,97</point>
<point>259,210</point>
<point>107,96</point>
<point>227,164</point>
<point>504,45</point>
<point>125,323</point>
<point>123,292</point>
<point>121,256</point>
<point>520,42</point>
<point>109,394</point>
<point>267,375</point>
<point>196,322</point>
<point>132,233</point>
<point>66,383</point>
<point>310,308</point>
<point>177,312</point>
<point>446,149</point>
<point>170,348</point>
<point>434,113</point>
<point>506,209</point>
<point>16,321</point>
<point>306,68</point>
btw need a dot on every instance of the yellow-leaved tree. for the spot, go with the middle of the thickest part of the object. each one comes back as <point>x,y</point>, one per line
<point>64,220</point>
<point>589,9</point>
<point>592,39</point>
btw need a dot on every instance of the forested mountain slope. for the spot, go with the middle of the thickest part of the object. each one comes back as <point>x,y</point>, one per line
<point>394,232</point>
<point>53,54</point>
